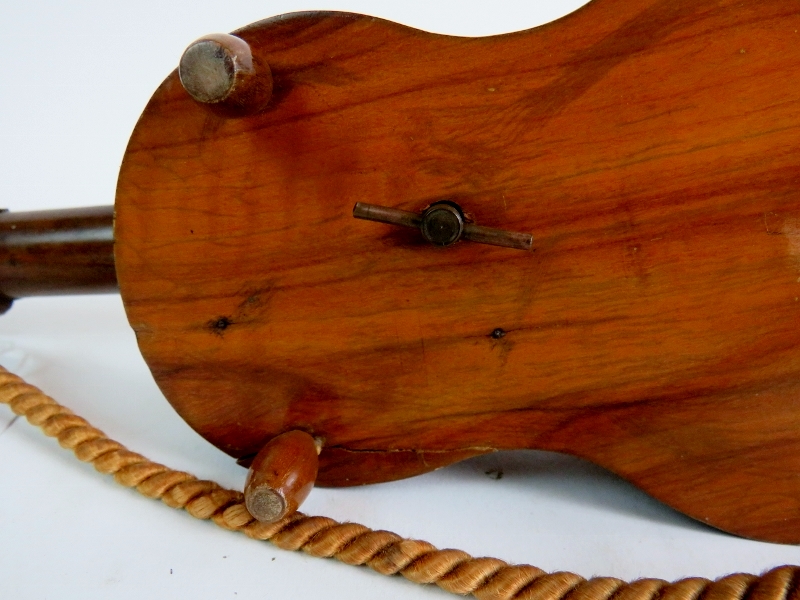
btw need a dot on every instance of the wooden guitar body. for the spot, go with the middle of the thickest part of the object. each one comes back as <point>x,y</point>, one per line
<point>651,147</point>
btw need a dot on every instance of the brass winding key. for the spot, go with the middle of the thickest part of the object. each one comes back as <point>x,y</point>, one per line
<point>443,224</point>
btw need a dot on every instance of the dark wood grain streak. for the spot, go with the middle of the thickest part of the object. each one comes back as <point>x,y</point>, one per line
<point>53,252</point>
<point>650,146</point>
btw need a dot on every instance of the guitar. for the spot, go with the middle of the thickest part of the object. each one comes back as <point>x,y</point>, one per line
<point>607,339</point>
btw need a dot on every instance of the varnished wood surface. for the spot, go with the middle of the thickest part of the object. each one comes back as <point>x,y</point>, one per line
<point>651,149</point>
<point>54,252</point>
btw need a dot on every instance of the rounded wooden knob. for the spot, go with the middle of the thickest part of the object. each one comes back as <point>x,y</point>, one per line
<point>281,476</point>
<point>219,70</point>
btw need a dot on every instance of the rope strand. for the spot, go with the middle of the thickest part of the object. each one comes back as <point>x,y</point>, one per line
<point>383,551</point>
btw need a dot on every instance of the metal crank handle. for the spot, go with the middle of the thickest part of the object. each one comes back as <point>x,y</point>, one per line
<point>443,224</point>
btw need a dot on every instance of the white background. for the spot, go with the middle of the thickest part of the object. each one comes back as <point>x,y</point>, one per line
<point>74,77</point>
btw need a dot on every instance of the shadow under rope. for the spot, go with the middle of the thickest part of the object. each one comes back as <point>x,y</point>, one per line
<point>5,427</point>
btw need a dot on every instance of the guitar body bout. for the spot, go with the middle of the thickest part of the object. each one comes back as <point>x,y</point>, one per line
<point>652,148</point>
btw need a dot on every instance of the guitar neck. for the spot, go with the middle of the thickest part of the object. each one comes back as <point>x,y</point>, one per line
<point>56,252</point>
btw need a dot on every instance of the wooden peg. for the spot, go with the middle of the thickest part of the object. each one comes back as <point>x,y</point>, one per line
<point>220,71</point>
<point>281,476</point>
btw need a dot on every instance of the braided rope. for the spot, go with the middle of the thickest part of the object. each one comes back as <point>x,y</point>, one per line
<point>385,552</point>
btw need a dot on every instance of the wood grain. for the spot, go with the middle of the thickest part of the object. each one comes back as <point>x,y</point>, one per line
<point>54,252</point>
<point>651,148</point>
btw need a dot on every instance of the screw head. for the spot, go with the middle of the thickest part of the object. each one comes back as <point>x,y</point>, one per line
<point>442,224</point>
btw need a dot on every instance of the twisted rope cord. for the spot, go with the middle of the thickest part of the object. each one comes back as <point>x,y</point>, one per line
<point>385,552</point>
